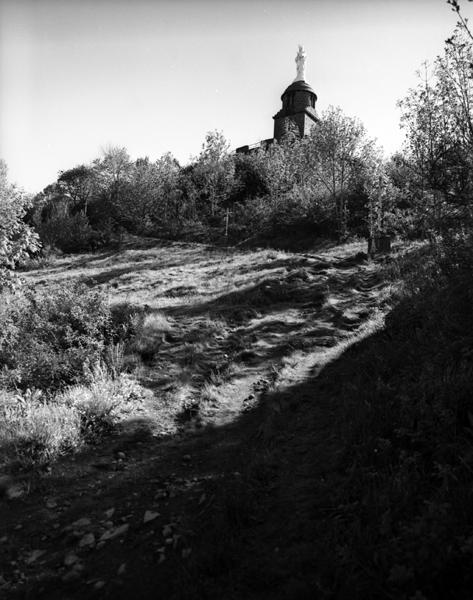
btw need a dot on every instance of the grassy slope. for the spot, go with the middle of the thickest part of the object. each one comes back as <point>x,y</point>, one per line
<point>282,481</point>
<point>218,322</point>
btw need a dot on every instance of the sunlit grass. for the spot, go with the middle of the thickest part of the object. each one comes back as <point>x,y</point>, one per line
<point>35,430</point>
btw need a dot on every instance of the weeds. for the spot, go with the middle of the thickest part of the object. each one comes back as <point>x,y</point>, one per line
<point>35,429</point>
<point>149,336</point>
<point>48,339</point>
<point>32,432</point>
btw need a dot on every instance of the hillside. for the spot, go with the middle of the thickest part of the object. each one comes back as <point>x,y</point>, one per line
<point>270,455</point>
<point>226,332</point>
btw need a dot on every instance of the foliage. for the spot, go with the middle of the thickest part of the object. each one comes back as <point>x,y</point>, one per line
<point>78,183</point>
<point>37,428</point>
<point>100,401</point>
<point>49,339</point>
<point>68,232</point>
<point>17,240</point>
<point>339,157</point>
<point>33,432</point>
<point>438,123</point>
<point>318,182</point>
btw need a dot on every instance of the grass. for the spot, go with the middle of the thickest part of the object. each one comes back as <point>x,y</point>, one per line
<point>36,429</point>
<point>150,335</point>
<point>35,433</point>
<point>233,314</point>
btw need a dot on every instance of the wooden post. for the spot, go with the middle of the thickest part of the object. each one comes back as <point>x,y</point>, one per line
<point>226,225</point>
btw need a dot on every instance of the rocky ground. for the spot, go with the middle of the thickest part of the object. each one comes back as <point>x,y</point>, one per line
<point>219,485</point>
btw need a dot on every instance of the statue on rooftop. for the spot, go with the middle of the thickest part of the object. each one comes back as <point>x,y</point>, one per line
<point>300,62</point>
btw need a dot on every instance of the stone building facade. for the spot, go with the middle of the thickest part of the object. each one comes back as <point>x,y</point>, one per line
<point>298,107</point>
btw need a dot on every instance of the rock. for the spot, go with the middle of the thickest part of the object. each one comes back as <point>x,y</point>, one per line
<point>121,455</point>
<point>81,523</point>
<point>51,503</point>
<point>4,539</point>
<point>121,569</point>
<point>87,541</point>
<point>150,516</point>
<point>167,530</point>
<point>186,552</point>
<point>5,483</point>
<point>109,513</point>
<point>70,576</point>
<point>70,559</point>
<point>100,545</point>
<point>202,499</point>
<point>187,458</point>
<point>34,555</point>
<point>161,495</point>
<point>108,524</point>
<point>14,491</point>
<point>98,585</point>
<point>110,534</point>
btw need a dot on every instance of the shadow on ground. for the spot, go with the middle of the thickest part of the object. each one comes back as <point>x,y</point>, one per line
<point>248,510</point>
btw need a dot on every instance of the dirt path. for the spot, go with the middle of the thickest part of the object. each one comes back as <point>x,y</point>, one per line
<point>197,498</point>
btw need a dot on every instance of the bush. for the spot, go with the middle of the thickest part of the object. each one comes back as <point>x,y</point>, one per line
<point>69,233</point>
<point>101,401</point>
<point>32,432</point>
<point>36,429</point>
<point>48,339</point>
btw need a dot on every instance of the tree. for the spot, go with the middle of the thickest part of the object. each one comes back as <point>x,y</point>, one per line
<point>112,173</point>
<point>438,123</point>
<point>79,184</point>
<point>338,156</point>
<point>17,240</point>
<point>213,172</point>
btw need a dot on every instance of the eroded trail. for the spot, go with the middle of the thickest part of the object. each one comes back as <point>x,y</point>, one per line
<point>237,338</point>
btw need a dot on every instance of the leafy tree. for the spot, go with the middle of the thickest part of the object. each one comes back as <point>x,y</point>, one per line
<point>213,172</point>
<point>169,194</point>
<point>112,172</point>
<point>17,239</point>
<point>338,156</point>
<point>79,184</point>
<point>438,123</point>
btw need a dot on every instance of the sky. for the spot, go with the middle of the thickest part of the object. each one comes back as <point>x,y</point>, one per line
<point>154,76</point>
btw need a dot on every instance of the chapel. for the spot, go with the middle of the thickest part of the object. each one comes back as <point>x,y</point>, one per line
<point>298,108</point>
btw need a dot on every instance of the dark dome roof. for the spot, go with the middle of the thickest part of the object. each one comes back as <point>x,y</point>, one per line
<point>299,86</point>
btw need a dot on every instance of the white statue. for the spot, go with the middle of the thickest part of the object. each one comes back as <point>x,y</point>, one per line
<point>300,62</point>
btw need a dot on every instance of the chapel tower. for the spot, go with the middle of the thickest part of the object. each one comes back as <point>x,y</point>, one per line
<point>298,103</point>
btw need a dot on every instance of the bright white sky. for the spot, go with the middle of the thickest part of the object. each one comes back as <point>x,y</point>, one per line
<point>156,75</point>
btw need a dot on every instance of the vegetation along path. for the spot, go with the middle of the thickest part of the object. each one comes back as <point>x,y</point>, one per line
<point>221,484</point>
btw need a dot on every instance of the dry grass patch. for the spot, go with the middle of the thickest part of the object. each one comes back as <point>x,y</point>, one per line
<point>150,335</point>
<point>33,432</point>
<point>36,430</point>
